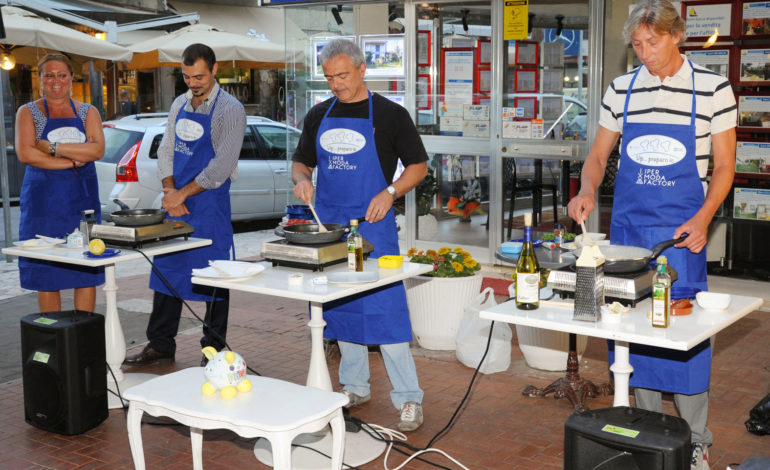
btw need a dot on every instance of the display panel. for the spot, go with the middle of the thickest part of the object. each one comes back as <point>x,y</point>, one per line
<point>383,55</point>
<point>424,98</point>
<point>527,53</point>
<point>754,111</point>
<point>485,52</point>
<point>715,59</point>
<point>316,45</point>
<point>755,67</point>
<point>423,48</point>
<point>528,107</point>
<point>704,18</point>
<point>525,80</point>
<point>755,20</point>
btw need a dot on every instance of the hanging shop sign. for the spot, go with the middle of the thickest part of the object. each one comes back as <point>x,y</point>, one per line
<point>515,19</point>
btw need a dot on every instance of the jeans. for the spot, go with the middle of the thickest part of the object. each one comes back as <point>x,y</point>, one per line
<point>354,371</point>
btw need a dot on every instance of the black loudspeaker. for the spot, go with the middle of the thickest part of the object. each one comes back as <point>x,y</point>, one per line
<point>624,438</point>
<point>64,371</point>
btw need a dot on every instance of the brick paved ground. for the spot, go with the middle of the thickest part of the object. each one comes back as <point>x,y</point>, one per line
<point>498,429</point>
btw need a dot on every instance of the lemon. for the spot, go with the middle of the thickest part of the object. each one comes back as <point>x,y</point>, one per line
<point>96,246</point>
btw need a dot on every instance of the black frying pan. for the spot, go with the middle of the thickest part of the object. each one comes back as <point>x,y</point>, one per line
<point>626,259</point>
<point>308,234</point>
<point>136,217</point>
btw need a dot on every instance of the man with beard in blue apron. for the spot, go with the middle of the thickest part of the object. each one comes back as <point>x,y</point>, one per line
<point>196,158</point>
<point>356,165</point>
<point>671,113</point>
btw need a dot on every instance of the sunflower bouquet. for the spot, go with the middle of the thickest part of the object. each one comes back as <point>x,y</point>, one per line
<point>446,262</point>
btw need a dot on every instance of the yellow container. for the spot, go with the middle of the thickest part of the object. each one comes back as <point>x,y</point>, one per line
<point>391,261</point>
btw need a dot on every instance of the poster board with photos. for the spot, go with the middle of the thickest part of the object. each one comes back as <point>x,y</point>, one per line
<point>528,105</point>
<point>485,52</point>
<point>716,59</point>
<point>424,98</point>
<point>457,74</point>
<point>484,79</point>
<point>755,19</point>
<point>752,157</point>
<point>702,18</point>
<point>751,203</point>
<point>316,45</point>
<point>754,67</point>
<point>754,111</point>
<point>383,55</point>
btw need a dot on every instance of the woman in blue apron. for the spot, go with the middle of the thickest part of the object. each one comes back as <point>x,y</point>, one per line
<point>56,190</point>
<point>346,185</point>
<point>654,195</point>
<point>209,215</point>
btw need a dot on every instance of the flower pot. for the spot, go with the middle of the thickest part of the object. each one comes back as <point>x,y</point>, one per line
<point>547,349</point>
<point>436,307</point>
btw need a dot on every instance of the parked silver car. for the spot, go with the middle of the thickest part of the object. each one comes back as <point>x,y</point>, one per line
<point>129,169</point>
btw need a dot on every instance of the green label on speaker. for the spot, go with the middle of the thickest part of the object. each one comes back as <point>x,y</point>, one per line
<point>45,321</point>
<point>620,431</point>
<point>41,357</point>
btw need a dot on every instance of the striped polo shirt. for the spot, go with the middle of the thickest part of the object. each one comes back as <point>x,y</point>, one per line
<point>670,102</point>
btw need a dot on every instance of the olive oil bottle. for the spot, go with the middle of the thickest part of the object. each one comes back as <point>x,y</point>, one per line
<point>527,272</point>
<point>355,248</point>
<point>661,295</point>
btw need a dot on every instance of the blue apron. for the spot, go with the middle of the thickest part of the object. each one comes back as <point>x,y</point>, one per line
<point>51,203</point>
<point>657,189</point>
<point>349,176</point>
<point>209,211</point>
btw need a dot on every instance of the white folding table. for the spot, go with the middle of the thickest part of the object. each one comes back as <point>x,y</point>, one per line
<point>115,342</point>
<point>683,333</point>
<point>359,447</point>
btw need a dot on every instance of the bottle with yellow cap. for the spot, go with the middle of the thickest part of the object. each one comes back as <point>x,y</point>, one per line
<point>661,295</point>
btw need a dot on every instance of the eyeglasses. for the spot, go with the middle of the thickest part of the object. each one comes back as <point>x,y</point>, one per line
<point>55,76</point>
<point>340,76</point>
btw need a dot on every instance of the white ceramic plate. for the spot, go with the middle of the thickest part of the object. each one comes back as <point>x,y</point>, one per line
<point>353,277</point>
<point>35,244</point>
<point>211,273</point>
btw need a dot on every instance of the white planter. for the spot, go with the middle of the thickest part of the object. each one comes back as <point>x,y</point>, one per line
<point>547,349</point>
<point>436,307</point>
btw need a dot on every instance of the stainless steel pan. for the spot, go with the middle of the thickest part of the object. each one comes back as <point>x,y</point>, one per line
<point>308,234</point>
<point>136,217</point>
<point>626,259</point>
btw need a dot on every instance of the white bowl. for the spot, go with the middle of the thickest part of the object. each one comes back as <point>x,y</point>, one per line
<point>595,236</point>
<point>713,300</point>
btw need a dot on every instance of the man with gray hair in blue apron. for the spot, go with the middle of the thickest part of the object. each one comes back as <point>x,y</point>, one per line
<point>197,158</point>
<point>354,181</point>
<point>685,111</point>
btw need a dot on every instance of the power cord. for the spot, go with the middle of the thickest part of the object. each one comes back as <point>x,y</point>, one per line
<point>206,327</point>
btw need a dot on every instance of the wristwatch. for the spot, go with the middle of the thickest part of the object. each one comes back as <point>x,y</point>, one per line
<point>392,191</point>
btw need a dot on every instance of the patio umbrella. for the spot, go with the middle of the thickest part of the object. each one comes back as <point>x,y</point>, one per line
<point>232,50</point>
<point>29,37</point>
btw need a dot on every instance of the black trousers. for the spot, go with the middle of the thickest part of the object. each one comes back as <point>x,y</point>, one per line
<point>164,322</point>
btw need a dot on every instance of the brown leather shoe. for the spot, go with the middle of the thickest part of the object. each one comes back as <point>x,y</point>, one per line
<point>148,356</point>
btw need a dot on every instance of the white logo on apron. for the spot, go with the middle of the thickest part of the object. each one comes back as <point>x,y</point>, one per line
<point>655,150</point>
<point>653,177</point>
<point>342,141</point>
<point>66,135</point>
<point>189,130</point>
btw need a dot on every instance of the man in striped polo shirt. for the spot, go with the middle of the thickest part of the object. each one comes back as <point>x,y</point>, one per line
<point>671,114</point>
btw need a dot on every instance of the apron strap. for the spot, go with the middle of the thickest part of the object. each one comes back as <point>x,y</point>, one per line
<point>45,105</point>
<point>371,114</point>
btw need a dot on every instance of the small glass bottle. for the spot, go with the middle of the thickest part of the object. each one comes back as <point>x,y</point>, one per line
<point>558,234</point>
<point>661,295</point>
<point>355,248</point>
<point>76,239</point>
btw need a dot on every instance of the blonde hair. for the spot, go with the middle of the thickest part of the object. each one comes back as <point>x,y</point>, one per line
<point>54,57</point>
<point>658,15</point>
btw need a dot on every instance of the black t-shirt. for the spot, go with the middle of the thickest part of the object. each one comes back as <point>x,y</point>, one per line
<point>394,133</point>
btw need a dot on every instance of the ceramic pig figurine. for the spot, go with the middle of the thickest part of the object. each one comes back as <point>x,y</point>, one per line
<point>226,372</point>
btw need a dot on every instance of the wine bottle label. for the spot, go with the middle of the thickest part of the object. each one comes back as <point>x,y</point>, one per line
<point>527,287</point>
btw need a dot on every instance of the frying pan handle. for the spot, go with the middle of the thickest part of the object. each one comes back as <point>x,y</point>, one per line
<point>122,204</point>
<point>360,220</point>
<point>658,249</point>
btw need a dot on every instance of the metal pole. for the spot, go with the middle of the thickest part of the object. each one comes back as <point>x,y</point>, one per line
<point>4,163</point>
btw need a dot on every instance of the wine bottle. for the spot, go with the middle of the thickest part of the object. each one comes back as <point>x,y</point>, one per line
<point>355,248</point>
<point>527,272</point>
<point>661,295</point>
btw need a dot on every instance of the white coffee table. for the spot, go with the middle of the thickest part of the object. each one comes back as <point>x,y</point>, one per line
<point>274,409</point>
<point>114,340</point>
<point>360,448</point>
<point>683,333</point>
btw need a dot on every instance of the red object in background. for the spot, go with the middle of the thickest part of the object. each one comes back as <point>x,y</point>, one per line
<point>298,221</point>
<point>574,187</point>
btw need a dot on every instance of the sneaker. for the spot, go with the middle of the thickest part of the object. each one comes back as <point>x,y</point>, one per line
<point>355,400</point>
<point>699,457</point>
<point>411,416</point>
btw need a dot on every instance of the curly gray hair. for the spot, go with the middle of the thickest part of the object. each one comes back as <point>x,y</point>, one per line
<point>337,47</point>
